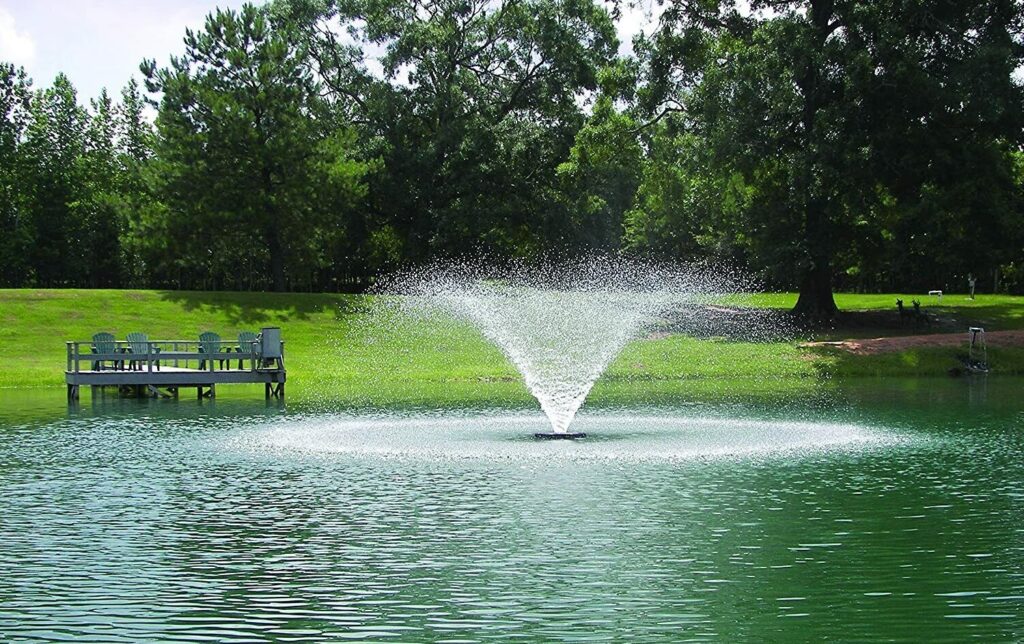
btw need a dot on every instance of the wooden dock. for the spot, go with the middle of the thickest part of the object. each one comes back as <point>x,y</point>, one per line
<point>170,365</point>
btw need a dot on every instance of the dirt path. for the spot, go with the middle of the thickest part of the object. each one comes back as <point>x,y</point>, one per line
<point>939,340</point>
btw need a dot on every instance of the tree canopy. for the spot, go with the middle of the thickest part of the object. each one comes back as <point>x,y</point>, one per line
<point>311,144</point>
<point>830,125</point>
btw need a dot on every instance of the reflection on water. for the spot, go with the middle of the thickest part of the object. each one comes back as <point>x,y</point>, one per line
<point>900,517</point>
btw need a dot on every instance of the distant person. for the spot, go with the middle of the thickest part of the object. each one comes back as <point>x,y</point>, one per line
<point>970,283</point>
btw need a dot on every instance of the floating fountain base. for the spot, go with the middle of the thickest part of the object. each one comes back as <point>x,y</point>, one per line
<point>550,436</point>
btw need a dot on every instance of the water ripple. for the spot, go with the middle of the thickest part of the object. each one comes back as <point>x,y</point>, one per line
<point>664,528</point>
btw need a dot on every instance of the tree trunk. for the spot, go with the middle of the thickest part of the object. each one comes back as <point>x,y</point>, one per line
<point>273,232</point>
<point>816,304</point>
<point>276,258</point>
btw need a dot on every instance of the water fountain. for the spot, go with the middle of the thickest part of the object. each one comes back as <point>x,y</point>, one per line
<point>561,324</point>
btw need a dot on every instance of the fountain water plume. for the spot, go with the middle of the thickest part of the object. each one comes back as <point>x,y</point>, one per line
<point>560,323</point>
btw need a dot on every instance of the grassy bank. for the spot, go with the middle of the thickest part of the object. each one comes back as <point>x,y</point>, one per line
<point>333,352</point>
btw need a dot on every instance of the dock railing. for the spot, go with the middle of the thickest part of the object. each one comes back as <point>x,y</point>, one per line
<point>178,354</point>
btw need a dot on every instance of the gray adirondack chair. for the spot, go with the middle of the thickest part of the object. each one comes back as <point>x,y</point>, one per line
<point>210,344</point>
<point>138,344</point>
<point>245,342</point>
<point>106,344</point>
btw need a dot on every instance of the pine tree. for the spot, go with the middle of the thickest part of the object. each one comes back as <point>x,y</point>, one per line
<point>16,242</point>
<point>54,144</point>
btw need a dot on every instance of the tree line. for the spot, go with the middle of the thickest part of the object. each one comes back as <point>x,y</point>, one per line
<point>312,144</point>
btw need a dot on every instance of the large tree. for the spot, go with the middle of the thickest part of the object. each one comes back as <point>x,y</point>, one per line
<point>135,151</point>
<point>601,175</point>
<point>16,241</point>
<point>831,111</point>
<point>472,108</point>
<point>99,207</point>
<point>246,156</point>
<point>54,186</point>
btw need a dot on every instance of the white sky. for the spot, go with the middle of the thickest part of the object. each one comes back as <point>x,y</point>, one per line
<point>97,43</point>
<point>100,43</point>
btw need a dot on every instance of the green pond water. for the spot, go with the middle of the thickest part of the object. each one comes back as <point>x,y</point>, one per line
<point>889,510</point>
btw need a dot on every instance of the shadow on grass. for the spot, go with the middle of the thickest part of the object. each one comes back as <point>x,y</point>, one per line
<point>871,323</point>
<point>253,308</point>
<point>993,318</point>
<point>735,324</point>
<point>838,363</point>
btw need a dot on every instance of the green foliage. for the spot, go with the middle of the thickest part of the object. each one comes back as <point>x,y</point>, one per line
<point>476,105</point>
<point>253,178</point>
<point>874,136</point>
<point>137,204</point>
<point>682,210</point>
<point>312,144</point>
<point>68,189</point>
<point>57,201</point>
<point>17,238</point>
<point>601,176</point>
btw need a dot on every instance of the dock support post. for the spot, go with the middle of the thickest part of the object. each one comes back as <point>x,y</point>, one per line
<point>72,393</point>
<point>272,390</point>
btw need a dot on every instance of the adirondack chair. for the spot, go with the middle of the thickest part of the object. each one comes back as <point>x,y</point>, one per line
<point>209,343</point>
<point>106,344</point>
<point>245,342</point>
<point>138,344</point>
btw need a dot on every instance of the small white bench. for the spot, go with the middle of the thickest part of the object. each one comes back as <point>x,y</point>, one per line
<point>936,293</point>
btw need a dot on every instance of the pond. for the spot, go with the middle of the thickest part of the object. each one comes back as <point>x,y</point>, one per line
<point>890,509</point>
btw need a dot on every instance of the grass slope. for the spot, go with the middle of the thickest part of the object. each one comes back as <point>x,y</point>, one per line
<point>334,352</point>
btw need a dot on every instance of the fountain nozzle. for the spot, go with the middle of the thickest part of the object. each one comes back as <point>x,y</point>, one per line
<point>559,435</point>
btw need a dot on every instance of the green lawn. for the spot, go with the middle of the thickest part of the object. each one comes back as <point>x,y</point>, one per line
<point>335,352</point>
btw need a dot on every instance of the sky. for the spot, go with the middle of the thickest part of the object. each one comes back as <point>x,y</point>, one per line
<point>100,43</point>
<point>97,43</point>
